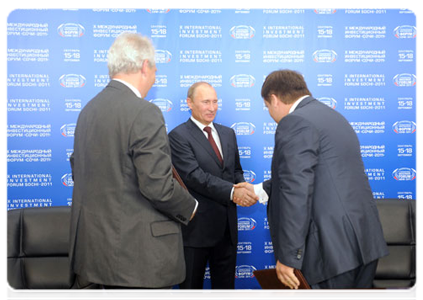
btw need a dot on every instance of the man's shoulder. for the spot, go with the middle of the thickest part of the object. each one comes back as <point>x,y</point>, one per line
<point>318,114</point>
<point>120,102</point>
<point>218,125</point>
<point>117,92</point>
<point>294,124</point>
<point>223,129</point>
<point>180,129</point>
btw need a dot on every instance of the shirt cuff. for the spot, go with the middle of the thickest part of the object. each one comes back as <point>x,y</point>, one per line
<point>261,193</point>
<point>195,209</point>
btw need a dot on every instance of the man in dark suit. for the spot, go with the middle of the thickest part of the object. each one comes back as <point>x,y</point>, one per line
<point>322,216</point>
<point>207,158</point>
<point>126,207</point>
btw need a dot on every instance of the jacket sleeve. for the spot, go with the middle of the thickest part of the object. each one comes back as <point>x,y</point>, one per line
<point>267,186</point>
<point>297,147</point>
<point>239,173</point>
<point>150,152</point>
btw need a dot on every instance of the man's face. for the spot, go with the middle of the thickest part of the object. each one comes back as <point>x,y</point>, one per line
<point>271,109</point>
<point>204,105</point>
<point>277,109</point>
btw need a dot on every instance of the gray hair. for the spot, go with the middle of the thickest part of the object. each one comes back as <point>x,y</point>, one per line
<point>128,52</point>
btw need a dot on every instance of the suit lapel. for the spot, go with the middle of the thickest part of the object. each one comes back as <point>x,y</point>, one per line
<point>223,142</point>
<point>202,140</point>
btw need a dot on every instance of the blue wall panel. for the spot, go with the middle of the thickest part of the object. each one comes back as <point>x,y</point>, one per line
<point>361,62</point>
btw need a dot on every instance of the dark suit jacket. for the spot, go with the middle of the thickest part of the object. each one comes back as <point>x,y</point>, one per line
<point>322,216</point>
<point>126,208</point>
<point>207,181</point>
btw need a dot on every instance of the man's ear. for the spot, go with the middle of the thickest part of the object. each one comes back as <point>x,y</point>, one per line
<point>189,102</point>
<point>144,66</point>
<point>274,100</point>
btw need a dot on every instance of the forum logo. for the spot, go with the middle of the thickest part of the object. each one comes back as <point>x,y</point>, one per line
<point>163,57</point>
<point>72,81</point>
<point>165,105</point>
<point>242,32</point>
<point>325,56</point>
<point>158,11</point>
<point>324,11</point>
<point>246,224</point>
<point>249,176</point>
<point>245,271</point>
<point>405,80</point>
<point>242,81</point>
<point>71,30</point>
<point>328,101</point>
<point>401,127</point>
<point>404,174</point>
<point>243,128</point>
<point>67,180</point>
<point>405,32</point>
<point>68,130</point>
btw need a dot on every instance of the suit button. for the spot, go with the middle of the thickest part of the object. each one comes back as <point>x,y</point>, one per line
<point>299,256</point>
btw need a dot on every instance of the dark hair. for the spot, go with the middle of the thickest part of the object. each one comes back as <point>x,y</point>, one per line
<point>287,85</point>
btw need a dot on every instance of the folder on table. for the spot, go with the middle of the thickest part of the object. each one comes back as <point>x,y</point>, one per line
<point>178,178</point>
<point>268,279</point>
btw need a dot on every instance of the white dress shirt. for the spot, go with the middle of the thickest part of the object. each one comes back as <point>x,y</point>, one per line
<point>216,139</point>
<point>213,131</point>
<point>130,86</point>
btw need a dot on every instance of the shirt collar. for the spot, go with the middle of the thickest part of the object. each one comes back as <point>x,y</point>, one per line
<point>294,106</point>
<point>201,125</point>
<point>130,86</point>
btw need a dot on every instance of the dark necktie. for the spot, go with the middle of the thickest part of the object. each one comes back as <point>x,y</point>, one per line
<point>213,143</point>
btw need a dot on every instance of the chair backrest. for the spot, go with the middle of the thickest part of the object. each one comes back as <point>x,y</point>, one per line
<point>37,249</point>
<point>398,269</point>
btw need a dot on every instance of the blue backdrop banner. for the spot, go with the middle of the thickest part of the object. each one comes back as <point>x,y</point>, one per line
<point>360,62</point>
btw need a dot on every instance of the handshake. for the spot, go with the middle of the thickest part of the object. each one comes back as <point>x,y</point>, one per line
<point>244,194</point>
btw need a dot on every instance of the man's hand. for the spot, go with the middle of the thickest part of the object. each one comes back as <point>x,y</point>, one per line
<point>246,185</point>
<point>286,276</point>
<point>244,196</point>
<point>257,189</point>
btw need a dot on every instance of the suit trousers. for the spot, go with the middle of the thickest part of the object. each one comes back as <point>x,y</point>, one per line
<point>358,278</point>
<point>222,263</point>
